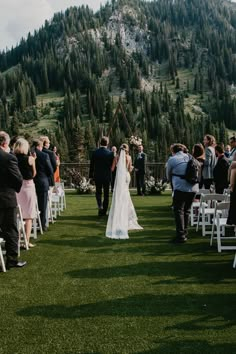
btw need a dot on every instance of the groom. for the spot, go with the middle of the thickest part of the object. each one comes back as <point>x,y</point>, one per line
<point>140,169</point>
<point>100,171</point>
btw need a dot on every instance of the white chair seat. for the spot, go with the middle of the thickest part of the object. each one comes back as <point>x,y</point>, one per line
<point>222,221</point>
<point>207,210</point>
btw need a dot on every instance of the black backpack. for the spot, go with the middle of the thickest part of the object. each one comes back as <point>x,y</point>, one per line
<point>193,171</point>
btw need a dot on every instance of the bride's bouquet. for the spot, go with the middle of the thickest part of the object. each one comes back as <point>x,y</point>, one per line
<point>135,140</point>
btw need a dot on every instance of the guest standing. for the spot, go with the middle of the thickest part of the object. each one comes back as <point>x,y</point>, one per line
<point>210,161</point>
<point>184,192</point>
<point>46,145</point>
<point>220,171</point>
<point>26,198</point>
<point>227,151</point>
<point>199,155</point>
<point>100,171</point>
<point>232,210</point>
<point>232,153</point>
<point>57,172</point>
<point>140,169</point>
<point>10,183</point>
<point>41,180</point>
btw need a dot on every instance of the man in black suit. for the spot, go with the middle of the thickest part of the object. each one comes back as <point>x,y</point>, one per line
<point>10,183</point>
<point>41,180</point>
<point>140,169</point>
<point>46,145</point>
<point>220,171</point>
<point>100,171</point>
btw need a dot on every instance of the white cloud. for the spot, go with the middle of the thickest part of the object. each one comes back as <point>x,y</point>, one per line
<point>19,17</point>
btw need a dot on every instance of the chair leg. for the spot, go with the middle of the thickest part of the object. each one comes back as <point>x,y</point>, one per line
<point>40,225</point>
<point>203,224</point>
<point>35,228</point>
<point>25,238</point>
<point>198,220</point>
<point>2,260</point>
<point>218,238</point>
<point>212,233</point>
<point>191,216</point>
<point>234,264</point>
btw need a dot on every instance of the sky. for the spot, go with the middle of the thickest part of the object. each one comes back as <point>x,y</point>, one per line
<point>19,17</point>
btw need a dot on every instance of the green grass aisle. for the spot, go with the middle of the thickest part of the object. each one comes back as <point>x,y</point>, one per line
<point>83,293</point>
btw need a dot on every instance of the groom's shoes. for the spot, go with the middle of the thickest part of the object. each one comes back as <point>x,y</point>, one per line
<point>102,212</point>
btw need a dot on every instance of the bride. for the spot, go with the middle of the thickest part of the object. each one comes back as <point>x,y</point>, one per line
<point>122,216</point>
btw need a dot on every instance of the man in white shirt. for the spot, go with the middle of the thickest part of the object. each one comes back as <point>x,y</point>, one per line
<point>184,192</point>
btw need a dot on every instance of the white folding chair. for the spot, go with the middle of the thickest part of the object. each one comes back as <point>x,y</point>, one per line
<point>21,228</point>
<point>195,206</point>
<point>60,190</point>
<point>49,209</point>
<point>219,223</point>
<point>207,210</point>
<point>37,225</point>
<point>55,205</point>
<point>1,256</point>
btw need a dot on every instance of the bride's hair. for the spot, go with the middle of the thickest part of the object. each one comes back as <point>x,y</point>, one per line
<point>125,147</point>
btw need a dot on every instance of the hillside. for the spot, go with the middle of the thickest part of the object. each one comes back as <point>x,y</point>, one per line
<point>171,63</point>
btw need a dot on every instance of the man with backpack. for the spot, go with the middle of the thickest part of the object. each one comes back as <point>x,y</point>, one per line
<point>184,173</point>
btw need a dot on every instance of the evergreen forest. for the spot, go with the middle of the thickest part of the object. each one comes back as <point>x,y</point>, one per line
<point>170,65</point>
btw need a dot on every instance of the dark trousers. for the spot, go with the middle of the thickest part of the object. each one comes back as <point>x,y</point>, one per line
<point>140,183</point>
<point>9,232</point>
<point>220,188</point>
<point>102,186</point>
<point>182,202</point>
<point>207,183</point>
<point>42,203</point>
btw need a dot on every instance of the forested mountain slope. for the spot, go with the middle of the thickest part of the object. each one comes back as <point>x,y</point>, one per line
<point>171,62</point>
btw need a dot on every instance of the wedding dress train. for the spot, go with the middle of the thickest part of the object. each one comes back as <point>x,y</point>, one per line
<point>122,215</point>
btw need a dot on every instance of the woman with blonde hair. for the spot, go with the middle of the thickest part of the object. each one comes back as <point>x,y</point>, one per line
<point>122,215</point>
<point>26,198</point>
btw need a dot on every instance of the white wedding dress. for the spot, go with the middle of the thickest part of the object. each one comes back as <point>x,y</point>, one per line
<point>122,215</point>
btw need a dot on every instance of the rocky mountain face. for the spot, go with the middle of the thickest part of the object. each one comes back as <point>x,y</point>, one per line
<point>170,63</point>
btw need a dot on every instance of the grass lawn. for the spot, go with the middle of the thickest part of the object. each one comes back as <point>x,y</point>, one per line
<point>83,293</point>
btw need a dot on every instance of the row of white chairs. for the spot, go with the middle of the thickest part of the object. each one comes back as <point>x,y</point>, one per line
<point>211,211</point>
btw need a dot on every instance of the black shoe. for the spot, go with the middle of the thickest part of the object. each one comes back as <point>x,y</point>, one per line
<point>180,240</point>
<point>100,212</point>
<point>45,228</point>
<point>18,264</point>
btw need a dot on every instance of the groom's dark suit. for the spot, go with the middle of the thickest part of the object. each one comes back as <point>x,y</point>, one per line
<point>100,171</point>
<point>140,167</point>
